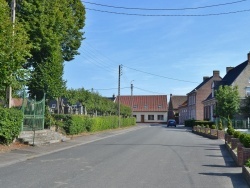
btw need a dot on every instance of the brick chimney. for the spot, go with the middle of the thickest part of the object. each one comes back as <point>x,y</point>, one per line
<point>205,78</point>
<point>216,73</point>
<point>248,57</point>
<point>229,68</point>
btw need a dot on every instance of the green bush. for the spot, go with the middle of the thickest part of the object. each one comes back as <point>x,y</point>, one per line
<point>76,124</point>
<point>10,124</point>
<point>213,127</point>
<point>242,136</point>
<point>236,134</point>
<point>207,126</point>
<point>246,141</point>
<point>192,122</point>
<point>220,126</point>
<point>248,163</point>
<point>189,123</point>
<point>230,130</point>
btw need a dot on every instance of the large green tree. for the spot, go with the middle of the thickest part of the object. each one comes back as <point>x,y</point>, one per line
<point>14,51</point>
<point>55,30</point>
<point>228,101</point>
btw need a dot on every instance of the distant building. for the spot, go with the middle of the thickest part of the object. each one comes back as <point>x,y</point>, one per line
<point>174,102</point>
<point>196,97</point>
<point>147,108</point>
<point>235,76</point>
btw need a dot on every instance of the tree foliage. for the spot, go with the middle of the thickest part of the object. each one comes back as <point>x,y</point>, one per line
<point>94,102</point>
<point>228,101</point>
<point>14,50</point>
<point>54,28</point>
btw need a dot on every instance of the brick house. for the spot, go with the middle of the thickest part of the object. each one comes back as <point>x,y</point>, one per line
<point>183,112</point>
<point>174,102</point>
<point>235,76</point>
<point>147,108</point>
<point>196,97</point>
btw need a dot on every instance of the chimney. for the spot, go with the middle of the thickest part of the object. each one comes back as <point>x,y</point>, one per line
<point>205,78</point>
<point>248,57</point>
<point>216,73</point>
<point>229,68</point>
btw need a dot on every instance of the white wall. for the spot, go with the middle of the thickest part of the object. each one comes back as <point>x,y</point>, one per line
<point>138,116</point>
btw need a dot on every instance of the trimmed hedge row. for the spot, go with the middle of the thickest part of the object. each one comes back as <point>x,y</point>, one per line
<point>192,123</point>
<point>10,124</point>
<point>76,124</point>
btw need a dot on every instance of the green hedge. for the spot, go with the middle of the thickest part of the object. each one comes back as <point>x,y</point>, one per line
<point>192,122</point>
<point>246,141</point>
<point>76,124</point>
<point>10,124</point>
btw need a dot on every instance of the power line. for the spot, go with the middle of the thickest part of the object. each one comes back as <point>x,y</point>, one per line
<point>110,88</point>
<point>159,75</point>
<point>168,9</point>
<point>98,59</point>
<point>148,91</point>
<point>170,15</point>
<point>95,51</point>
<point>94,61</point>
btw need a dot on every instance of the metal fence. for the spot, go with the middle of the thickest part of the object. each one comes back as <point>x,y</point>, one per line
<point>33,112</point>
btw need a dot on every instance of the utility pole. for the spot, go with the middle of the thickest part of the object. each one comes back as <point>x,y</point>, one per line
<point>132,97</point>
<point>119,88</point>
<point>13,18</point>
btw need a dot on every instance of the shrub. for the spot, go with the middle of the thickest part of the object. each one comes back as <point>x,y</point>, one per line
<point>246,141</point>
<point>236,134</point>
<point>10,124</point>
<point>230,130</point>
<point>220,126</point>
<point>76,124</point>
<point>189,123</point>
<point>248,163</point>
<point>213,127</point>
<point>242,136</point>
<point>207,126</point>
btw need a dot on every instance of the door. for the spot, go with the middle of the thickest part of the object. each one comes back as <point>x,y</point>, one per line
<point>142,118</point>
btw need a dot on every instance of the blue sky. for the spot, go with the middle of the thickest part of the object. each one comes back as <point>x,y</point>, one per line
<point>159,54</point>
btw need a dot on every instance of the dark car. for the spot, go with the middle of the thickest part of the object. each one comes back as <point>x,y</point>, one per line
<point>171,122</point>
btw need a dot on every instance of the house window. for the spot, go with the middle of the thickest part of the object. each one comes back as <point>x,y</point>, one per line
<point>134,116</point>
<point>150,117</point>
<point>135,106</point>
<point>247,91</point>
<point>159,106</point>
<point>145,106</point>
<point>159,117</point>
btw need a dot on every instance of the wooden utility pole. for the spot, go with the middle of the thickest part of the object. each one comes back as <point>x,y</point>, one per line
<point>119,102</point>
<point>132,98</point>
<point>13,18</point>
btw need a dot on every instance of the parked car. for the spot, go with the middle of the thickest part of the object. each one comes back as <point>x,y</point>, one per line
<point>171,122</point>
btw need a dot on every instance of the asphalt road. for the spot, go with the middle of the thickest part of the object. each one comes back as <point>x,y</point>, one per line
<point>149,157</point>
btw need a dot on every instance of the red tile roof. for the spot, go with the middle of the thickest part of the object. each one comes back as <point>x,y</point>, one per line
<point>16,102</point>
<point>145,103</point>
<point>177,100</point>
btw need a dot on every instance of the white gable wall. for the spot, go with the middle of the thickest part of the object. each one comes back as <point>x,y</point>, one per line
<point>155,114</point>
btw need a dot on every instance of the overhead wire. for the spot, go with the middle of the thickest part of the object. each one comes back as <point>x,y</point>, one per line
<point>98,59</point>
<point>94,61</point>
<point>95,51</point>
<point>159,75</point>
<point>148,90</point>
<point>168,9</point>
<point>170,15</point>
